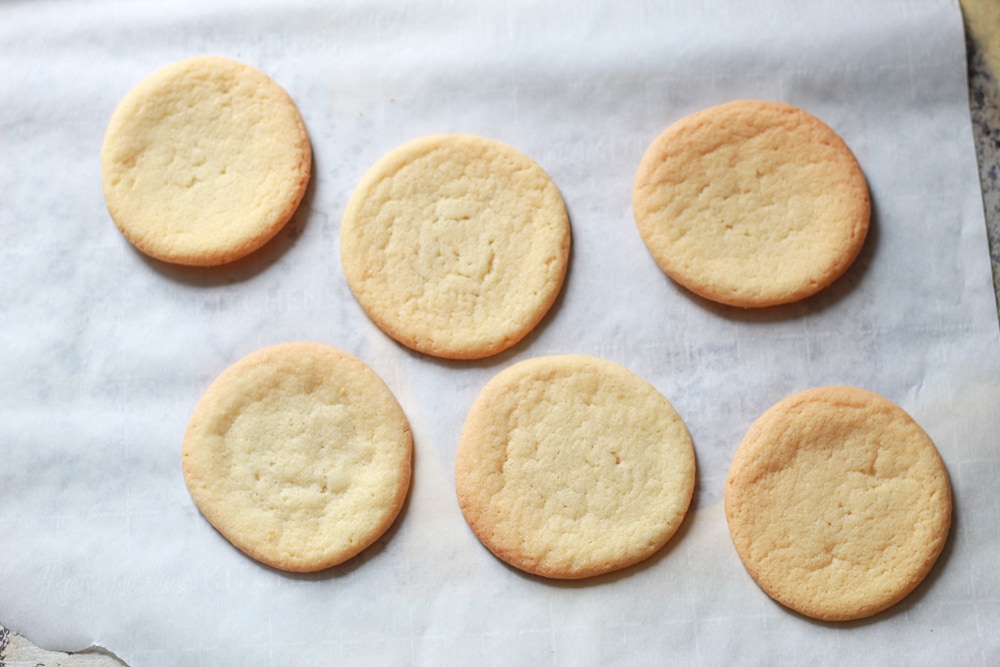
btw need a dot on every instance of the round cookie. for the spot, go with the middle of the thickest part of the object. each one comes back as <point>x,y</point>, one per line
<point>751,203</point>
<point>299,455</point>
<point>204,161</point>
<point>455,245</point>
<point>572,466</point>
<point>838,503</point>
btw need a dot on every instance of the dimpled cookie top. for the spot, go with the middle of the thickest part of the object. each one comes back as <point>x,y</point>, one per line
<point>455,245</point>
<point>299,455</point>
<point>751,203</point>
<point>838,503</point>
<point>572,466</point>
<point>204,161</point>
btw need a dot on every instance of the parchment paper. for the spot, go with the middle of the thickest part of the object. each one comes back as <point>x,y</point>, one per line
<point>104,352</point>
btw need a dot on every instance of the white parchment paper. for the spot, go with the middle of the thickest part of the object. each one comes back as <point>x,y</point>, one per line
<point>104,353</point>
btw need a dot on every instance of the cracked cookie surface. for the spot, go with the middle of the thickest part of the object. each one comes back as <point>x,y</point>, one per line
<point>455,245</point>
<point>751,203</point>
<point>572,466</point>
<point>204,161</point>
<point>299,455</point>
<point>838,503</point>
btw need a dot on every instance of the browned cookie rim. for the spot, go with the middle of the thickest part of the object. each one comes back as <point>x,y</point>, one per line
<point>759,459</point>
<point>509,539</point>
<point>209,493</point>
<point>735,123</point>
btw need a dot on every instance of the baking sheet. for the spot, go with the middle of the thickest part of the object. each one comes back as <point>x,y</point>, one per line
<point>103,352</point>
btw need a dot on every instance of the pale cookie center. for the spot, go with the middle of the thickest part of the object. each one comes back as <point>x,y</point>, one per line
<point>293,460</point>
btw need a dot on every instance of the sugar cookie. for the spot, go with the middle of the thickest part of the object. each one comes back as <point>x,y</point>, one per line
<point>838,503</point>
<point>751,203</point>
<point>455,245</point>
<point>299,455</point>
<point>204,162</point>
<point>572,466</point>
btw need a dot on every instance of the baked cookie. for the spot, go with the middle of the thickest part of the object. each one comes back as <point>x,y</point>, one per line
<point>204,162</point>
<point>455,245</point>
<point>299,455</point>
<point>838,503</point>
<point>571,466</point>
<point>751,203</point>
